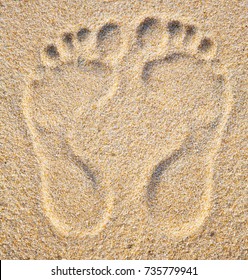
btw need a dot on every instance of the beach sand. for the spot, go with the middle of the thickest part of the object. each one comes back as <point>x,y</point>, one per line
<point>124,130</point>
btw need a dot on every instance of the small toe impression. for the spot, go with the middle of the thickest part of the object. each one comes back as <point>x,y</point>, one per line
<point>109,39</point>
<point>207,48</point>
<point>174,27</point>
<point>82,34</point>
<point>205,45</point>
<point>190,32</point>
<point>52,51</point>
<point>50,55</point>
<point>68,39</point>
<point>149,32</point>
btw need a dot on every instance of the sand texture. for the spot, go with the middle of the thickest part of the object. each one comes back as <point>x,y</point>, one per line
<point>124,130</point>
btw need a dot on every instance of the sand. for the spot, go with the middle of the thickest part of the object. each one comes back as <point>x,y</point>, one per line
<point>124,130</point>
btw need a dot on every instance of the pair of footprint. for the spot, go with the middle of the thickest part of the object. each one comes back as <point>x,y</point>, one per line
<point>108,113</point>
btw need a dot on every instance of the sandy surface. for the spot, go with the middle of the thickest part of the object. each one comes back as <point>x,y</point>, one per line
<point>124,130</point>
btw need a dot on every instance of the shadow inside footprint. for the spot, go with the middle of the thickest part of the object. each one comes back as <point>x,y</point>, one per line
<point>52,51</point>
<point>174,27</point>
<point>158,172</point>
<point>109,39</point>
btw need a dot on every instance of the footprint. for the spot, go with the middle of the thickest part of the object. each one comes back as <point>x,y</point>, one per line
<point>152,115</point>
<point>183,75</point>
<point>77,71</point>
